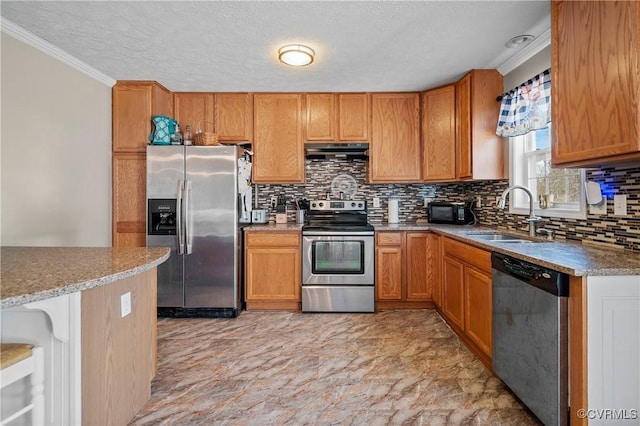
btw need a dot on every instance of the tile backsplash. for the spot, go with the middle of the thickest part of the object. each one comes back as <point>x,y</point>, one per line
<point>617,231</point>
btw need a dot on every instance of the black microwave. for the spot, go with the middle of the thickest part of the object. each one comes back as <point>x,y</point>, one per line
<point>453,213</point>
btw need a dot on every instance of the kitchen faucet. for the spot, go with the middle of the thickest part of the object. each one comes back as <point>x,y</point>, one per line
<point>532,217</point>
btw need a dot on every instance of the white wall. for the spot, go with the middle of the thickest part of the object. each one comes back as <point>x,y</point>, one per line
<point>55,150</point>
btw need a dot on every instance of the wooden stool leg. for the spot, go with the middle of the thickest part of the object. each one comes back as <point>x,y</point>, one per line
<point>37,387</point>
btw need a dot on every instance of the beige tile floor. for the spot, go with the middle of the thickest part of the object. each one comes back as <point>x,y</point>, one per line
<point>283,368</point>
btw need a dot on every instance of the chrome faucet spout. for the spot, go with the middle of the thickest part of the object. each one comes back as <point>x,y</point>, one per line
<point>532,217</point>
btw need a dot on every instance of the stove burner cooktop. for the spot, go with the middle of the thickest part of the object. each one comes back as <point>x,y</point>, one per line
<point>338,216</point>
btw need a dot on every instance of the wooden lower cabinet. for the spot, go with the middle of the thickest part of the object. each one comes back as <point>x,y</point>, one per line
<point>273,270</point>
<point>467,295</point>
<point>404,269</point>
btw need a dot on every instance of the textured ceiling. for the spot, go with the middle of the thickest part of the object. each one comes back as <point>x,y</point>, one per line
<point>232,45</point>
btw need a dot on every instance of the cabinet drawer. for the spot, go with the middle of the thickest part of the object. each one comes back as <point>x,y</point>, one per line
<point>272,239</point>
<point>389,238</point>
<point>467,253</point>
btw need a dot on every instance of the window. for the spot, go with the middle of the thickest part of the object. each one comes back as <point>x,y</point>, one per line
<point>530,165</point>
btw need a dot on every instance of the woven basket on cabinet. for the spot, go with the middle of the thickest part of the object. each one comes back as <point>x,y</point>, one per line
<point>205,138</point>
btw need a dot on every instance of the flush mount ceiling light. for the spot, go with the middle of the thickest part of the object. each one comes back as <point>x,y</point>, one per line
<point>296,55</point>
<point>519,40</point>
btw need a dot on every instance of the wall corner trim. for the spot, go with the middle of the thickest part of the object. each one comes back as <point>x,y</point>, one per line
<point>55,52</point>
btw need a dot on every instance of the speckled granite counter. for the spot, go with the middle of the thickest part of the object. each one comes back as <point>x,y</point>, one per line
<point>29,274</point>
<point>569,257</point>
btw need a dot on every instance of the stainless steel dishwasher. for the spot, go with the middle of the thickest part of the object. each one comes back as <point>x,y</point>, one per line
<point>530,335</point>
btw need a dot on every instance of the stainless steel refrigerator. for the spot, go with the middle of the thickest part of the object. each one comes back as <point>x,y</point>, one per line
<point>192,207</point>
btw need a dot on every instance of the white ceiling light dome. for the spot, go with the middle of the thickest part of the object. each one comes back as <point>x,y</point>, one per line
<point>296,55</point>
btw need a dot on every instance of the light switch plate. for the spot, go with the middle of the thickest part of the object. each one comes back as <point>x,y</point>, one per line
<point>376,202</point>
<point>125,304</point>
<point>478,201</point>
<point>620,204</point>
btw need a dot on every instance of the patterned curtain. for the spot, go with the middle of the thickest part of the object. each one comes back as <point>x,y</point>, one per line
<point>526,108</point>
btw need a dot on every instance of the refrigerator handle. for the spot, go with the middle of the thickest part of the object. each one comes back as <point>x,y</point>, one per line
<point>187,233</point>
<point>179,217</point>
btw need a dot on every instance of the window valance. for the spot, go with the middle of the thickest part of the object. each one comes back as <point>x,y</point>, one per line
<point>526,108</point>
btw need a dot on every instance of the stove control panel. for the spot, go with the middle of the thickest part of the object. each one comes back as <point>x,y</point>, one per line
<point>338,205</point>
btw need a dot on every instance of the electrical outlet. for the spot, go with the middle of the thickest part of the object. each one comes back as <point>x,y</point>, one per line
<point>376,202</point>
<point>478,201</point>
<point>600,209</point>
<point>497,200</point>
<point>620,205</point>
<point>125,304</point>
<point>426,201</point>
<point>274,201</point>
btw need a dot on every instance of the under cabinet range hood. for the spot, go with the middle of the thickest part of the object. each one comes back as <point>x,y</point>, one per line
<point>336,150</point>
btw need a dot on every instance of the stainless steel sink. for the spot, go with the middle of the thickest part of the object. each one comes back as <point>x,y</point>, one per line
<point>500,238</point>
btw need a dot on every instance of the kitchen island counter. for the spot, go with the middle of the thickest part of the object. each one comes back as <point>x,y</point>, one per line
<point>30,274</point>
<point>93,311</point>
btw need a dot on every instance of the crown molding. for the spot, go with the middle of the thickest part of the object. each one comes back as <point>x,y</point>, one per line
<point>527,52</point>
<point>55,52</point>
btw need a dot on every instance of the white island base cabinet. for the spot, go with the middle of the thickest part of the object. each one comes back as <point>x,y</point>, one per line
<point>53,324</point>
<point>100,349</point>
<point>613,351</point>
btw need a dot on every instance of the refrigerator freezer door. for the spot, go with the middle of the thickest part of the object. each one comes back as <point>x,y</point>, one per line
<point>165,172</point>
<point>211,268</point>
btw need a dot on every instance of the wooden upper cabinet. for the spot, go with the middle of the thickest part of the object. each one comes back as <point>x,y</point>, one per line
<point>195,110</point>
<point>278,146</point>
<point>439,134</point>
<point>479,151</point>
<point>353,116</point>
<point>395,139</point>
<point>595,79</point>
<point>134,103</point>
<point>341,117</point>
<point>234,116</point>
<point>321,117</point>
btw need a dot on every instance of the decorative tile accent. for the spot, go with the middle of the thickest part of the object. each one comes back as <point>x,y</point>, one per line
<point>609,230</point>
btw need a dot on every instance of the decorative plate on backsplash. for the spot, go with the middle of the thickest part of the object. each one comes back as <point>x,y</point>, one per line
<point>345,184</point>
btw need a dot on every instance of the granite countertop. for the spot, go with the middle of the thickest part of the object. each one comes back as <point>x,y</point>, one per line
<point>29,274</point>
<point>573,258</point>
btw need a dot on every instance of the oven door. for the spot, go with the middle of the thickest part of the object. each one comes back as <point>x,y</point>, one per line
<point>338,259</point>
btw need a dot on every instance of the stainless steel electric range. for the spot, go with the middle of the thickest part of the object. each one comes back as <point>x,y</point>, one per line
<point>338,271</point>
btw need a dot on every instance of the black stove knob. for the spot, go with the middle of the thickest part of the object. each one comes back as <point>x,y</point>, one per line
<point>353,204</point>
<point>321,204</point>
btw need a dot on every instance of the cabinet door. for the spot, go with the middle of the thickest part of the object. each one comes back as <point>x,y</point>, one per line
<point>129,200</point>
<point>234,116</point>
<point>278,147</point>
<point>419,260</point>
<point>321,117</point>
<point>389,273</point>
<point>194,109</point>
<point>453,284</point>
<point>273,273</point>
<point>463,130</point>
<point>436,271</point>
<point>132,111</point>
<point>478,311</point>
<point>353,110</point>
<point>439,134</point>
<point>596,81</point>
<point>395,140</point>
